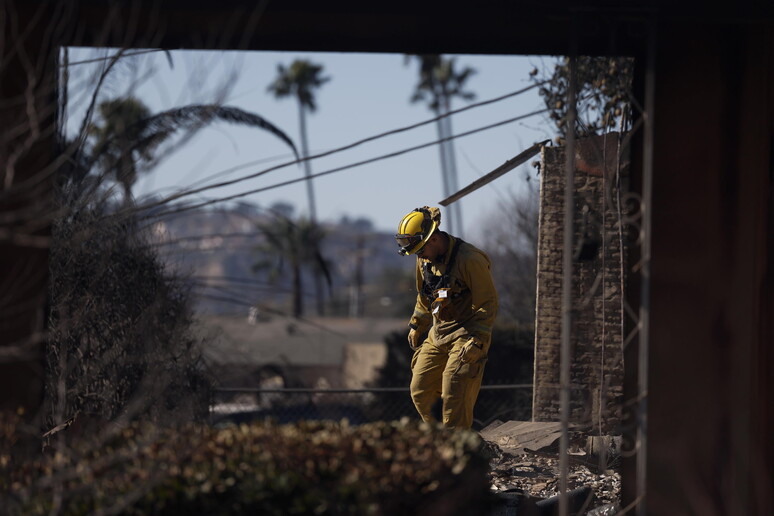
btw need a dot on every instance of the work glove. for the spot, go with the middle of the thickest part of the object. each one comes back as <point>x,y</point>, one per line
<point>413,339</point>
<point>471,352</point>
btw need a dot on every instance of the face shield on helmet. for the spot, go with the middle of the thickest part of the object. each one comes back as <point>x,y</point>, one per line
<point>407,243</point>
<point>414,230</point>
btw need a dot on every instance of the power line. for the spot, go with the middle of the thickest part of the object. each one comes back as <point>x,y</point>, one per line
<point>230,279</point>
<point>399,130</point>
<point>196,238</point>
<point>176,252</point>
<point>243,165</point>
<point>345,167</point>
<point>220,285</point>
<point>229,288</point>
<point>275,312</point>
<point>107,58</point>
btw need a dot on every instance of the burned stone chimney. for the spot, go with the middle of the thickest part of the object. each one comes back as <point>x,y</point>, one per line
<point>598,276</point>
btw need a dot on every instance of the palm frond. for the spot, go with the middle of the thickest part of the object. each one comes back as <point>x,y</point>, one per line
<point>198,115</point>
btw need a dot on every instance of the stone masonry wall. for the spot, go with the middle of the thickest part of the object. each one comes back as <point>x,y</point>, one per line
<point>596,338</point>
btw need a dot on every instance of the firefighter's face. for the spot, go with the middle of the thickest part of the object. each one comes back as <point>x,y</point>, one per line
<point>430,250</point>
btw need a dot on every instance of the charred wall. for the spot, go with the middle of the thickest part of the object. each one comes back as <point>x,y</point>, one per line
<point>598,274</point>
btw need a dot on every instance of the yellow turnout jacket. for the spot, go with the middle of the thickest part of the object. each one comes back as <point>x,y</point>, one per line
<point>472,300</point>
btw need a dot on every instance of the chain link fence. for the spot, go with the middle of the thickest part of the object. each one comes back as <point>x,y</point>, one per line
<point>242,405</point>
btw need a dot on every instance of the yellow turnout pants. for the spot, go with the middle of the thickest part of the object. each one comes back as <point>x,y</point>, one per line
<point>437,371</point>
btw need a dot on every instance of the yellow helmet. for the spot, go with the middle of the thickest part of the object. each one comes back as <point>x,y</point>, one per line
<point>416,228</point>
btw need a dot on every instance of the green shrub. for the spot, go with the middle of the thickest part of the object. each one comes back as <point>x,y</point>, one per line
<point>403,467</point>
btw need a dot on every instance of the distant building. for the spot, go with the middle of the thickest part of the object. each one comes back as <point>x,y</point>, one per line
<point>339,353</point>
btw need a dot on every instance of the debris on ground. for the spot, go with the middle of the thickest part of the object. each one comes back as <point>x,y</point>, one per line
<point>524,457</point>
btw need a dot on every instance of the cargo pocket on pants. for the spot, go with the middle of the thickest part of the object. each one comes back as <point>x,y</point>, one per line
<point>470,370</point>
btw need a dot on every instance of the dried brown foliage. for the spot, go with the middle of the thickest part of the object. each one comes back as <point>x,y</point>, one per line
<point>603,92</point>
<point>309,468</point>
<point>120,341</point>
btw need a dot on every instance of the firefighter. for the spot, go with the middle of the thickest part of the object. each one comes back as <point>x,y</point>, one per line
<point>451,328</point>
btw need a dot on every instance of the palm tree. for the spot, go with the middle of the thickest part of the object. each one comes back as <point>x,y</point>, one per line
<point>128,135</point>
<point>438,84</point>
<point>115,138</point>
<point>300,80</point>
<point>294,246</point>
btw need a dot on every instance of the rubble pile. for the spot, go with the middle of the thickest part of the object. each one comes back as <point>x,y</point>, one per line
<point>536,472</point>
<point>538,476</point>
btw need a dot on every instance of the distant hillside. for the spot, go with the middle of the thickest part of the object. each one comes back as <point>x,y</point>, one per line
<point>216,251</point>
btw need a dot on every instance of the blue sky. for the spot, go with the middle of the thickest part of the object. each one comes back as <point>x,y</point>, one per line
<point>367,94</point>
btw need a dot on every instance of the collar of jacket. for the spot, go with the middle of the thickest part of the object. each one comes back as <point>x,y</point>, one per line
<point>444,258</point>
